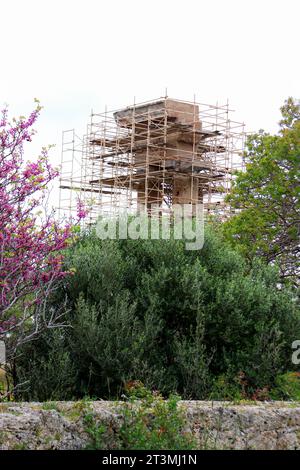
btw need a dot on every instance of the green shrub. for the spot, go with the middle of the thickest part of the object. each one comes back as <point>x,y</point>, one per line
<point>225,388</point>
<point>46,369</point>
<point>3,384</point>
<point>287,387</point>
<point>148,423</point>
<point>109,343</point>
<point>193,362</point>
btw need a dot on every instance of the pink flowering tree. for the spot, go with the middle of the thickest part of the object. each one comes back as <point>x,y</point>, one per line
<point>31,240</point>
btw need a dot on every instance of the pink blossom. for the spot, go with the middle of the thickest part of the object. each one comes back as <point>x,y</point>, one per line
<point>31,250</point>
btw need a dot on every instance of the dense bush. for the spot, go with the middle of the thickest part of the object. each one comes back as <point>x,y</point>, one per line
<point>177,320</point>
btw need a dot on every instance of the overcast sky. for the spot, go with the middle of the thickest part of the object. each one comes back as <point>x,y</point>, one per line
<point>77,55</point>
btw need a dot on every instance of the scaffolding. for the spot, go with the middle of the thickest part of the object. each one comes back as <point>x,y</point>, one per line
<point>151,156</point>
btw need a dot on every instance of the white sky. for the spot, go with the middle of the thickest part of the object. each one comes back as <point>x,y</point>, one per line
<point>77,55</point>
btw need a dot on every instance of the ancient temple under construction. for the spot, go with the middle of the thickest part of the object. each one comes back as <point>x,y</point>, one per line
<point>151,156</point>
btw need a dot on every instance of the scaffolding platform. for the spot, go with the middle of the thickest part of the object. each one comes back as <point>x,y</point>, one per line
<point>153,154</point>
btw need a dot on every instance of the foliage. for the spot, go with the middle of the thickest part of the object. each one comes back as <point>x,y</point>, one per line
<point>225,388</point>
<point>31,242</point>
<point>2,381</point>
<point>50,379</point>
<point>192,361</point>
<point>148,423</point>
<point>287,387</point>
<point>111,342</point>
<point>171,318</point>
<point>268,193</point>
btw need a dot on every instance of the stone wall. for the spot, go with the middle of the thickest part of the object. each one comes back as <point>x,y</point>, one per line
<point>216,425</point>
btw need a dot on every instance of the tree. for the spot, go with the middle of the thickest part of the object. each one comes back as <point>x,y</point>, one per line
<point>267,194</point>
<point>31,240</point>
